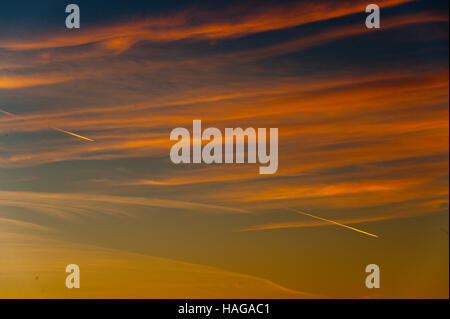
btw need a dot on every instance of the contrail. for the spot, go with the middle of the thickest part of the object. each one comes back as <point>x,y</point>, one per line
<point>73,134</point>
<point>52,127</point>
<point>336,223</point>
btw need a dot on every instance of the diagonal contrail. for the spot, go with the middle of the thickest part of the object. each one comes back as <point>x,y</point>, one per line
<point>336,223</point>
<point>73,134</point>
<point>53,127</point>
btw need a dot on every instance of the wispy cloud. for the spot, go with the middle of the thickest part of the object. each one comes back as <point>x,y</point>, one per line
<point>70,205</point>
<point>26,256</point>
<point>179,26</point>
<point>23,224</point>
<point>21,81</point>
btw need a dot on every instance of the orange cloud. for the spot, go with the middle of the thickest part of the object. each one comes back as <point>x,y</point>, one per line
<point>178,26</point>
<point>22,81</point>
<point>333,34</point>
<point>326,112</point>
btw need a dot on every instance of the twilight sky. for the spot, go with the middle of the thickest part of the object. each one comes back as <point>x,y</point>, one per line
<point>363,140</point>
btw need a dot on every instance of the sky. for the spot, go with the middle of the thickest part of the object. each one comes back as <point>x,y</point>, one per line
<point>86,177</point>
